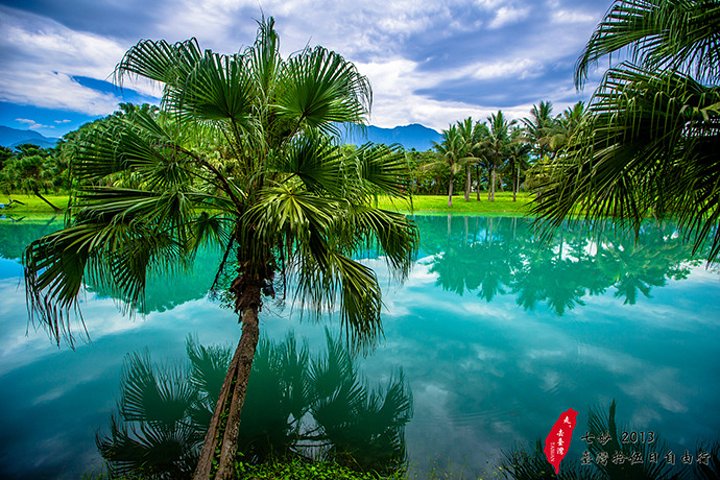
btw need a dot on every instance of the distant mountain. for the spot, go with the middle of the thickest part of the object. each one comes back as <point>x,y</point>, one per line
<point>410,136</point>
<point>12,137</point>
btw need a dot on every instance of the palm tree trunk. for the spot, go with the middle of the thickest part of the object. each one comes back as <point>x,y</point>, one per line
<point>477,174</point>
<point>493,176</point>
<point>55,209</point>
<point>516,183</point>
<point>450,190</point>
<point>468,182</point>
<point>232,394</point>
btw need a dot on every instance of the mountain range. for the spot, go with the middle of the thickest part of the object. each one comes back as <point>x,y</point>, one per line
<point>410,136</point>
<point>12,137</point>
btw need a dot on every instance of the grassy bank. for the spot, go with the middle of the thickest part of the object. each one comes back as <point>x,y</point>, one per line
<point>421,205</point>
<point>32,205</point>
<point>437,204</point>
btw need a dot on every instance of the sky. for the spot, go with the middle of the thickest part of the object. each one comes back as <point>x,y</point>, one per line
<point>428,62</point>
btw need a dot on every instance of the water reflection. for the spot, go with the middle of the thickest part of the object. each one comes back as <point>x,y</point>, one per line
<point>499,256</point>
<point>485,256</point>
<point>317,406</point>
<point>484,373</point>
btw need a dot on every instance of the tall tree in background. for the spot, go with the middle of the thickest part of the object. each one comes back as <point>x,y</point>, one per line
<point>473,134</point>
<point>518,157</point>
<point>650,142</point>
<point>497,147</point>
<point>243,155</point>
<point>567,124</point>
<point>540,127</point>
<point>33,170</point>
<point>452,149</point>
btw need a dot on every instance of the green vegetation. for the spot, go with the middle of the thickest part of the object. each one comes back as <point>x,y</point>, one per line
<point>422,205</point>
<point>33,170</point>
<point>438,204</point>
<point>297,469</point>
<point>242,156</point>
<point>648,145</point>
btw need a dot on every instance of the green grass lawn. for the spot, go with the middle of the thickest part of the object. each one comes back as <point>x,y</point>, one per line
<point>421,204</point>
<point>437,204</point>
<point>33,206</point>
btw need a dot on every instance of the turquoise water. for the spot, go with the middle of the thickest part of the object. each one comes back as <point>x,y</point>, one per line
<point>497,333</point>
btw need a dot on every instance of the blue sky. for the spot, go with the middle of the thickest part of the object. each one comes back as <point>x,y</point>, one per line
<point>428,62</point>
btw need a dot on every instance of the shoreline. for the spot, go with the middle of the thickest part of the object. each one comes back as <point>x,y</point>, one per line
<point>421,205</point>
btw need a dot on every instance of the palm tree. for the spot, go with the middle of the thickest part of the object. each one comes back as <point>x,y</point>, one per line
<point>649,144</point>
<point>540,128</point>
<point>473,134</point>
<point>497,147</point>
<point>452,149</point>
<point>518,158</point>
<point>243,155</point>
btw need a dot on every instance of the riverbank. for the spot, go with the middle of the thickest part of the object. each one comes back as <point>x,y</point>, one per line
<point>421,204</point>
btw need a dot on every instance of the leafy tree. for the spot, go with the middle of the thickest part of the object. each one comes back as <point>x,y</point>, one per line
<point>32,170</point>
<point>428,175</point>
<point>243,155</point>
<point>5,154</point>
<point>648,146</point>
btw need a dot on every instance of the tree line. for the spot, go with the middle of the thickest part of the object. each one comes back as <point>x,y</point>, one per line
<point>472,156</point>
<point>494,154</point>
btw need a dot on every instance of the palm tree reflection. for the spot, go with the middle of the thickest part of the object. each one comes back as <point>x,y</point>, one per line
<point>315,406</point>
<point>501,256</point>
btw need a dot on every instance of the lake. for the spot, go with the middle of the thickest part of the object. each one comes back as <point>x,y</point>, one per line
<point>496,332</point>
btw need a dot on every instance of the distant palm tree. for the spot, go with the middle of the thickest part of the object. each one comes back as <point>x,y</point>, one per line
<point>473,134</point>
<point>497,147</point>
<point>518,158</point>
<point>243,155</point>
<point>540,128</point>
<point>452,149</point>
<point>648,146</point>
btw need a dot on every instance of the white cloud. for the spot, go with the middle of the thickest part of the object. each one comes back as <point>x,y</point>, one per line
<point>32,124</point>
<point>396,101</point>
<point>387,40</point>
<point>508,15</point>
<point>522,68</point>
<point>45,58</point>
<point>570,16</point>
